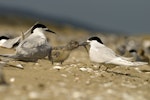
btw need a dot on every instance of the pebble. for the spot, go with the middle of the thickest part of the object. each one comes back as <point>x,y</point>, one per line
<point>33,95</point>
<point>88,82</point>
<point>63,75</point>
<point>83,69</point>
<point>73,65</point>
<point>77,95</point>
<point>86,69</point>
<point>96,67</point>
<point>57,64</point>
<point>76,79</point>
<point>20,66</point>
<point>2,63</point>
<point>12,79</point>
<point>110,91</point>
<point>36,64</point>
<point>137,69</point>
<point>109,84</point>
<point>57,67</point>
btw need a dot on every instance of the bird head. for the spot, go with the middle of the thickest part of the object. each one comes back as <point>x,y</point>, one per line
<point>94,39</point>
<point>41,28</point>
<point>73,44</point>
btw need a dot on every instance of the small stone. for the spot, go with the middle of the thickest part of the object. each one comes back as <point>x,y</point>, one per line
<point>57,64</point>
<point>2,63</point>
<point>88,82</point>
<point>57,67</point>
<point>137,69</point>
<point>20,66</point>
<point>77,95</point>
<point>36,64</point>
<point>33,95</point>
<point>110,91</point>
<point>63,75</point>
<point>73,65</point>
<point>108,84</point>
<point>76,79</point>
<point>83,69</point>
<point>12,79</point>
<point>96,67</point>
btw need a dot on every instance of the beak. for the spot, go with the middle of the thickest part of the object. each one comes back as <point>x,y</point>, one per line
<point>50,31</point>
<point>84,45</point>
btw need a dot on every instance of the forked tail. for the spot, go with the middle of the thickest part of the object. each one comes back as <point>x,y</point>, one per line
<point>123,62</point>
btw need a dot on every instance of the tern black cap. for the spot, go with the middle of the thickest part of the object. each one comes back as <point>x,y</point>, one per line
<point>95,38</point>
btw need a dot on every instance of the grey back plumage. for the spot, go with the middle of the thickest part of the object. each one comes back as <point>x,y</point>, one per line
<point>34,47</point>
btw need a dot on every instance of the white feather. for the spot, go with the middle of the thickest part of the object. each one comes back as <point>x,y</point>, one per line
<point>123,62</point>
<point>99,53</point>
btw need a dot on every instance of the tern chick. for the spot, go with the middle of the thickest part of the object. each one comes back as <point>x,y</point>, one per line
<point>34,47</point>
<point>100,53</point>
<point>60,54</point>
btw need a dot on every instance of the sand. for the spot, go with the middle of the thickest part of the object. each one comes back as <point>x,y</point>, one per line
<point>76,79</point>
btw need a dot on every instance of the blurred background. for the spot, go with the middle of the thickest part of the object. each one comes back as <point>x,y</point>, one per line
<point>110,16</point>
<point>122,25</point>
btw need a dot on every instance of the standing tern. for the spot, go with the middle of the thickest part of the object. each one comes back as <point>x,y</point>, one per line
<point>100,53</point>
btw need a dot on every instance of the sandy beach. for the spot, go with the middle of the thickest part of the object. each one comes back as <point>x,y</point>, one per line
<point>77,78</point>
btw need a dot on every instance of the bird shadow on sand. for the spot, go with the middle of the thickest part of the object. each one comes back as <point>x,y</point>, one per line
<point>123,74</point>
<point>145,71</point>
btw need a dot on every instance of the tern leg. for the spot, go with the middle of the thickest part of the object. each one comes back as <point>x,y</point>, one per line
<point>86,48</point>
<point>2,78</point>
<point>52,62</point>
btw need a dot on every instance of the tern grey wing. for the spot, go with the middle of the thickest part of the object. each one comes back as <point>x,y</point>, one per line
<point>35,48</point>
<point>31,42</point>
<point>106,53</point>
<point>112,54</point>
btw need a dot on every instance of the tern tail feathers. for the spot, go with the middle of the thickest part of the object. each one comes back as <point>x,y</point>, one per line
<point>127,58</point>
<point>123,62</point>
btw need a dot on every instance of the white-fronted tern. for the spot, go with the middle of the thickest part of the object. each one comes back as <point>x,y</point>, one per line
<point>34,47</point>
<point>100,53</point>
